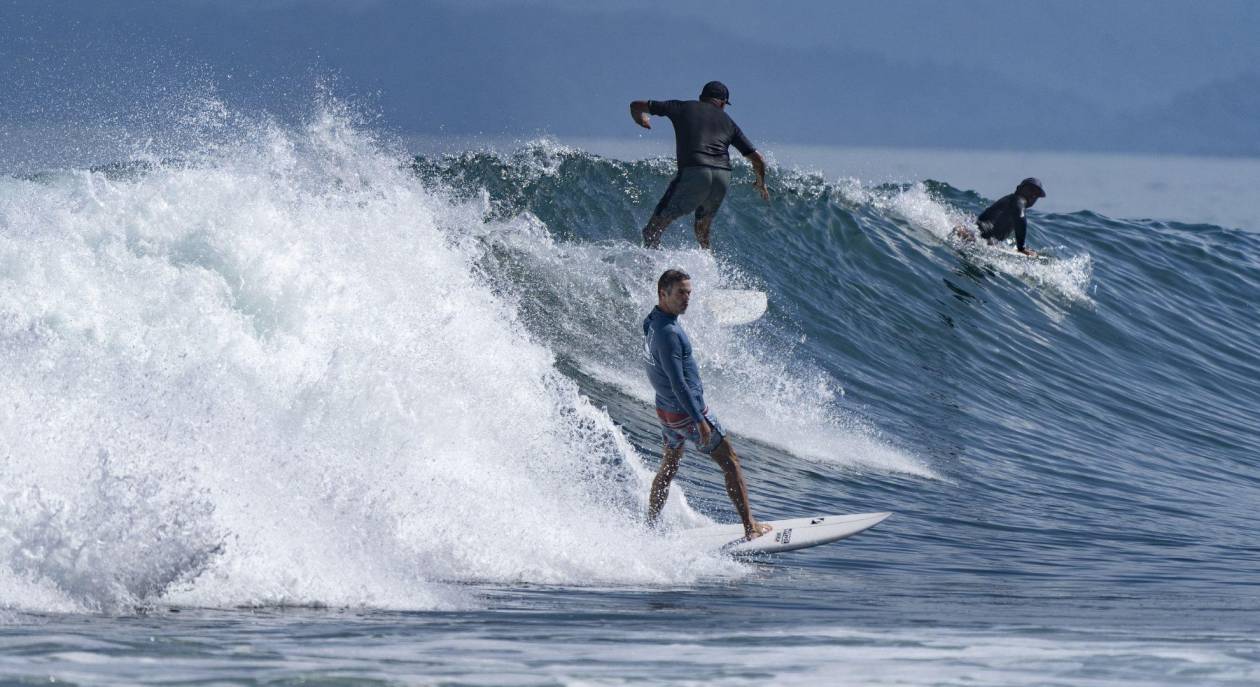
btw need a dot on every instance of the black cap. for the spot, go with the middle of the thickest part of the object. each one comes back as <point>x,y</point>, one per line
<point>716,89</point>
<point>1035,183</point>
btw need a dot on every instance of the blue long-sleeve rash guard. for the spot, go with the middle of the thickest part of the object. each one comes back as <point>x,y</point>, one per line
<point>670,366</point>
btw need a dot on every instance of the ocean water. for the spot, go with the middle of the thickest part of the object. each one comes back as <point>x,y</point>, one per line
<point>293,404</point>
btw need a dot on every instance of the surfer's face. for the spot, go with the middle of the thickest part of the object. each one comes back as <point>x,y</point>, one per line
<point>675,299</point>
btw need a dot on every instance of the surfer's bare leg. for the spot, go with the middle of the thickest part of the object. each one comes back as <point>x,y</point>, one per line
<point>702,231</point>
<point>724,456</point>
<point>655,227</point>
<point>660,484</point>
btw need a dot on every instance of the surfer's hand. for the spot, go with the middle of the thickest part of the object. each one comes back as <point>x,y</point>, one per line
<point>705,432</point>
<point>761,188</point>
<point>639,112</point>
<point>1030,253</point>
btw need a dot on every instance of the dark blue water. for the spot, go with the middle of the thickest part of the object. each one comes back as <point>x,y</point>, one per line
<point>1069,445</point>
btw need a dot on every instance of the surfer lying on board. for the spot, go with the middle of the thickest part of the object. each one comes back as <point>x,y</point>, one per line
<point>680,402</point>
<point>1006,216</point>
<point>703,134</point>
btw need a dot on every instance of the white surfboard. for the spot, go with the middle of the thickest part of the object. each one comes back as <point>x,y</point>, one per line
<point>734,307</point>
<point>787,535</point>
<point>1011,252</point>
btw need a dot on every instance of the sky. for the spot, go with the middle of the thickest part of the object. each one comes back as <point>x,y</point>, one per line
<point>1120,53</point>
<point>1105,75</point>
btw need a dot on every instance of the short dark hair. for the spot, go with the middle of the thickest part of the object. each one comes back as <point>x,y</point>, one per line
<point>669,278</point>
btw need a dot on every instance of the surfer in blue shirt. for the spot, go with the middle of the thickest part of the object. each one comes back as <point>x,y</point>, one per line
<point>703,135</point>
<point>1006,216</point>
<point>680,403</point>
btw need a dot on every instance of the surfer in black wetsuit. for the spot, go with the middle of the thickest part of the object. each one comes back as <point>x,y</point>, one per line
<point>703,134</point>
<point>1006,216</point>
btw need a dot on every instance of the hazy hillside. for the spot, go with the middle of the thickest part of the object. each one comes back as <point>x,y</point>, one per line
<point>495,69</point>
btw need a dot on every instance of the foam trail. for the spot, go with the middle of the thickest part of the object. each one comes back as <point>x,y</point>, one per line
<point>270,373</point>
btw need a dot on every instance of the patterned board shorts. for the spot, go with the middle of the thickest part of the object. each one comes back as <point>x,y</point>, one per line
<point>677,428</point>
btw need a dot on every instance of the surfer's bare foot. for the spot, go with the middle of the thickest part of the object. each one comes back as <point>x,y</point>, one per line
<point>757,530</point>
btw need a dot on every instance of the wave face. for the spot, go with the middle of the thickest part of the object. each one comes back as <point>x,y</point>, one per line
<point>296,367</point>
<point>1093,412</point>
<point>270,373</point>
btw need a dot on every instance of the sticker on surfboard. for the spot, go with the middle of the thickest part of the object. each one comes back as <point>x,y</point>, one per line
<point>785,535</point>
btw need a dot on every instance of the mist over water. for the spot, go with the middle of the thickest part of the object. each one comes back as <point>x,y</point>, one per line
<point>266,366</point>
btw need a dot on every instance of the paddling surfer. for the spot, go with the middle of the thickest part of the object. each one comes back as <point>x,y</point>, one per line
<point>703,134</point>
<point>680,403</point>
<point>1006,216</point>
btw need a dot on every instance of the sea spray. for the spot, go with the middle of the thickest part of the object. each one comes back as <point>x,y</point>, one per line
<point>279,355</point>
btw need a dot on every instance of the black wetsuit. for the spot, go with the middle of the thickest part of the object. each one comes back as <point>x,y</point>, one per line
<point>703,132</point>
<point>1003,217</point>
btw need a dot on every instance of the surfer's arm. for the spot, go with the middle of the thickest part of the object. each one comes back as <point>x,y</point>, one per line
<point>1021,230</point>
<point>673,364</point>
<point>639,113</point>
<point>759,168</point>
<point>745,148</point>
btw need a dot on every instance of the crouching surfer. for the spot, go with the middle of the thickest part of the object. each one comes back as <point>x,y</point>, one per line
<point>1006,217</point>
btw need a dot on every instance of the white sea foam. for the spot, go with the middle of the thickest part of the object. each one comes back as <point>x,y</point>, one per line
<point>270,373</point>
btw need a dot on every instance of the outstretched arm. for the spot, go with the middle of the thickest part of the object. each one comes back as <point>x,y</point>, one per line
<point>639,113</point>
<point>759,168</point>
